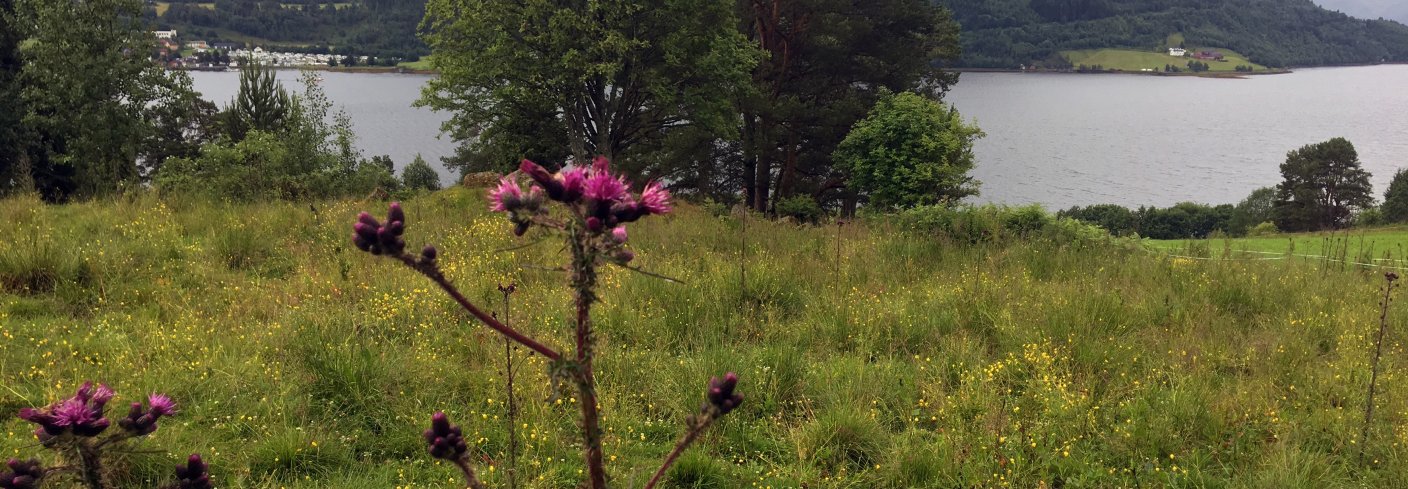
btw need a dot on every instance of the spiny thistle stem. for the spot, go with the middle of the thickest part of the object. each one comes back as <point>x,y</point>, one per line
<point>684,443</point>
<point>433,273</point>
<point>512,415</point>
<point>1390,277</point>
<point>583,283</point>
<point>471,480</point>
<point>90,464</point>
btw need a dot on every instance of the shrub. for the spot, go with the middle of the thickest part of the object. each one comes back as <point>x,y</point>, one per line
<point>1118,220</point>
<point>418,175</point>
<point>910,151</point>
<point>1264,229</point>
<point>801,208</point>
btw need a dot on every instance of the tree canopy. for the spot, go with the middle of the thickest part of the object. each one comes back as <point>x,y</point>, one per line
<point>601,77</point>
<point>89,103</point>
<point>910,151</point>
<point>1323,185</point>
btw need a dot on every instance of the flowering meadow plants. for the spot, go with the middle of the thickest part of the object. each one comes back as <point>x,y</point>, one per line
<point>596,206</point>
<point>911,360</point>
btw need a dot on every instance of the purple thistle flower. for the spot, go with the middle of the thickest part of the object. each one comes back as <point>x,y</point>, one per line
<point>81,414</point>
<point>601,164</point>
<point>71,411</point>
<point>507,197</point>
<point>619,234</point>
<point>21,474</point>
<point>445,440</point>
<point>161,405</point>
<point>605,188</point>
<point>194,474</point>
<point>594,224</point>
<point>655,199</point>
<point>720,393</point>
<point>574,184</point>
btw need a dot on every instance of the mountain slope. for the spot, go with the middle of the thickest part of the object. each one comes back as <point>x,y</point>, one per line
<point>1280,33</point>
<point>382,28</point>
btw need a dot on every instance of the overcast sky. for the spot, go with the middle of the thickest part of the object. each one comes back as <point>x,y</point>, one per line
<point>1370,9</point>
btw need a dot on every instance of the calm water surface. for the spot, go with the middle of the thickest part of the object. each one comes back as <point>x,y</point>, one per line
<point>1053,139</point>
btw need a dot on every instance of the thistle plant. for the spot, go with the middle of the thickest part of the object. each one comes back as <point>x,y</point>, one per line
<point>589,207</point>
<point>79,429</point>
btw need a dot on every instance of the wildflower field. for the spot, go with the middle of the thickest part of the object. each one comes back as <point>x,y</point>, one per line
<point>869,356</point>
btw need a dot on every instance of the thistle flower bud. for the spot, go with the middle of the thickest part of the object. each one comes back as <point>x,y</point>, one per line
<point>553,186</point>
<point>619,235</point>
<point>428,254</point>
<point>21,474</point>
<point>194,474</point>
<point>624,256</point>
<point>142,422</point>
<point>520,228</point>
<point>372,236</point>
<point>720,394</point>
<point>395,214</point>
<point>593,224</point>
<point>444,440</point>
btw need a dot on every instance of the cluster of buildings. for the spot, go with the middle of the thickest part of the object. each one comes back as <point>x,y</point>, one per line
<point>1203,55</point>
<point>168,52</point>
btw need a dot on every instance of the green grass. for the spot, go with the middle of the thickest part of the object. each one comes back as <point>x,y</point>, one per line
<point>422,64</point>
<point>913,361</point>
<point>1386,246</point>
<point>162,7</point>
<point>1131,60</point>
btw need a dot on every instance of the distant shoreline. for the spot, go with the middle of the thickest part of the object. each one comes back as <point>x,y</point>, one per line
<point>1205,74</point>
<point>375,70</point>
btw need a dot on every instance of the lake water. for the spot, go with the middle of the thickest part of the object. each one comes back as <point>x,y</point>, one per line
<point>1053,139</point>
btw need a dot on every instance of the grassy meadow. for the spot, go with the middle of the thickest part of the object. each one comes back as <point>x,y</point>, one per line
<point>1387,246</point>
<point>1133,60</point>
<point>898,360</point>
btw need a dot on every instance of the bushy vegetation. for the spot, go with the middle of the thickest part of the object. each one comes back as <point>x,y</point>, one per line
<point>910,151</point>
<point>279,146</point>
<point>1183,220</point>
<point>910,362</point>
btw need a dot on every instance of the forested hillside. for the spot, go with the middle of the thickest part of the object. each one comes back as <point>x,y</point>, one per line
<point>996,33</point>
<point>381,28</point>
<point>1281,33</point>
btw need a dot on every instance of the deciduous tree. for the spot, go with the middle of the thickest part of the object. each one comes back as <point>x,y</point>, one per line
<point>600,76</point>
<point>90,92</point>
<point>910,151</point>
<point>826,62</point>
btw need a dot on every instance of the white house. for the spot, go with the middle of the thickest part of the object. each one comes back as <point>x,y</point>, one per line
<point>164,34</point>
<point>1180,52</point>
